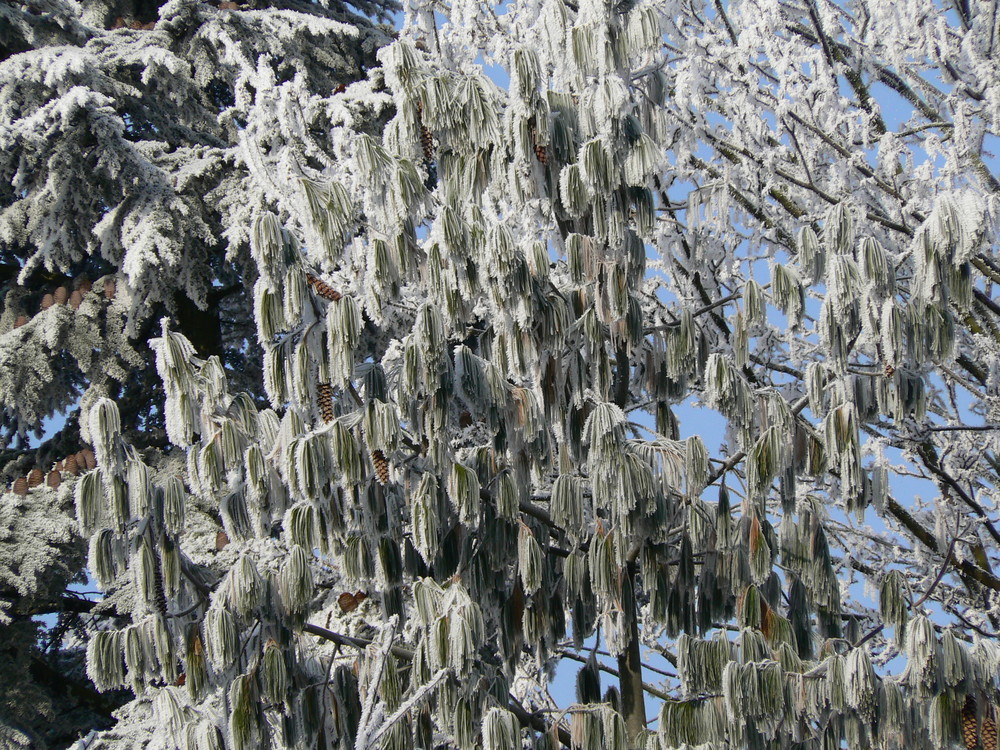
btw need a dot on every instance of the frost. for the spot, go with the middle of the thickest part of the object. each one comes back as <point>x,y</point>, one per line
<point>412,364</point>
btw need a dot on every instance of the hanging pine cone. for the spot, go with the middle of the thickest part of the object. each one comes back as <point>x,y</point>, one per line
<point>71,465</point>
<point>76,299</point>
<point>349,602</point>
<point>20,486</point>
<point>323,289</point>
<point>426,137</point>
<point>161,594</point>
<point>889,370</point>
<point>427,143</point>
<point>86,459</point>
<point>325,398</point>
<point>970,734</point>
<point>54,479</point>
<point>47,301</point>
<point>35,478</point>
<point>61,295</point>
<point>21,320</point>
<point>541,154</point>
<point>381,467</point>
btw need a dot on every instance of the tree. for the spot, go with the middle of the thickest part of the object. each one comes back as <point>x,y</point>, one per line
<point>485,307</point>
<point>126,185</point>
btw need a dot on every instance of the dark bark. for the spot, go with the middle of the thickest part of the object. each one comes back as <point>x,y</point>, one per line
<point>630,664</point>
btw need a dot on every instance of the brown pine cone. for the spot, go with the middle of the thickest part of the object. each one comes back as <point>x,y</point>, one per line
<point>323,289</point>
<point>54,479</point>
<point>325,398</point>
<point>89,460</point>
<point>61,295</point>
<point>349,602</point>
<point>426,137</point>
<point>970,734</point>
<point>381,467</point>
<point>110,286</point>
<point>71,465</point>
<point>541,154</point>
<point>427,143</point>
<point>35,478</point>
<point>47,301</point>
<point>20,486</point>
<point>76,299</point>
<point>83,283</point>
<point>21,320</point>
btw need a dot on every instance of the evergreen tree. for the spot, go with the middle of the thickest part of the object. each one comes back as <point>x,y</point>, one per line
<point>130,135</point>
<point>489,311</point>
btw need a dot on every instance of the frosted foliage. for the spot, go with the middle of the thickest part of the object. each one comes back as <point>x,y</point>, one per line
<point>132,149</point>
<point>594,334</point>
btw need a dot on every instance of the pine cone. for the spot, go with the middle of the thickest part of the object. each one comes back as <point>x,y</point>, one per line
<point>110,287</point>
<point>970,735</point>
<point>88,459</point>
<point>71,465</point>
<point>541,154</point>
<point>325,391</point>
<point>83,283</point>
<point>381,467</point>
<point>323,289</point>
<point>76,299</point>
<point>20,486</point>
<point>54,479</point>
<point>349,602</point>
<point>21,320</point>
<point>35,478</point>
<point>426,137</point>
<point>47,301</point>
<point>61,295</point>
<point>427,143</point>
<point>161,594</point>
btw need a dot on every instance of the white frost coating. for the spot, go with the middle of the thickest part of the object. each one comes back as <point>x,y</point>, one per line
<point>629,342</point>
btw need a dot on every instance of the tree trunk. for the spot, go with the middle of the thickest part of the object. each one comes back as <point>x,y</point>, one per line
<point>630,664</point>
<point>630,661</point>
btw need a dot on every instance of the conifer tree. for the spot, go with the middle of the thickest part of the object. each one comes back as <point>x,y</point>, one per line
<point>131,132</point>
<point>499,289</point>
